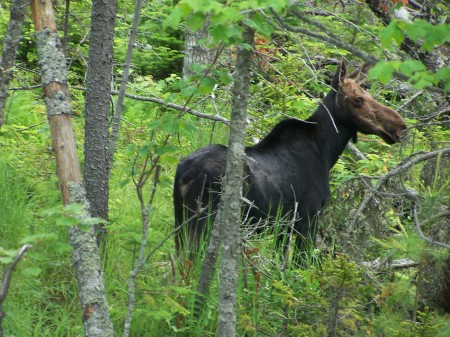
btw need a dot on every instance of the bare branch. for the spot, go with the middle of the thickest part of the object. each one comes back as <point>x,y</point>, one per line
<point>174,106</point>
<point>382,180</point>
<point>9,270</point>
<point>326,38</point>
<point>330,38</point>
<point>7,276</point>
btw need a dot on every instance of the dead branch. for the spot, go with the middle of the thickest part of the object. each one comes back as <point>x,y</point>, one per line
<point>405,165</point>
<point>326,38</point>
<point>399,169</point>
<point>174,106</point>
<point>379,264</point>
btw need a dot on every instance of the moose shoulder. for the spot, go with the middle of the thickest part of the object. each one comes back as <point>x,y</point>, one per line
<point>289,167</point>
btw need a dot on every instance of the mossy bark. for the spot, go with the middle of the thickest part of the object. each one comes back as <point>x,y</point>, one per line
<point>229,215</point>
<point>85,255</point>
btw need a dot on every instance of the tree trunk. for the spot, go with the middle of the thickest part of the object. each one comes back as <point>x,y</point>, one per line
<point>17,15</point>
<point>85,255</point>
<point>229,215</point>
<point>196,52</point>
<point>96,112</point>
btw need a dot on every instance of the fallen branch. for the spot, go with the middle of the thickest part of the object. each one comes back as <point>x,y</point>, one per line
<point>379,264</point>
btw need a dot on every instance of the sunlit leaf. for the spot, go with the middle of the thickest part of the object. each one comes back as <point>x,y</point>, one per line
<point>38,237</point>
<point>391,32</point>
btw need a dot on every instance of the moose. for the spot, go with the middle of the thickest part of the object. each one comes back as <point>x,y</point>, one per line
<point>288,168</point>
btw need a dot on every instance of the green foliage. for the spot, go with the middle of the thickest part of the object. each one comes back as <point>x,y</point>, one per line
<point>223,17</point>
<point>429,36</point>
<point>425,326</point>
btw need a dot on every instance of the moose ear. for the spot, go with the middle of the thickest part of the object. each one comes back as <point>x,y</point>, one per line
<point>360,75</point>
<point>340,75</point>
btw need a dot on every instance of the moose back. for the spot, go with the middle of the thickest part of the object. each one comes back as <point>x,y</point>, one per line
<point>289,167</point>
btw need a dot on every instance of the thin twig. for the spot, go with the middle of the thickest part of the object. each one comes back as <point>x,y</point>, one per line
<point>7,276</point>
<point>336,42</point>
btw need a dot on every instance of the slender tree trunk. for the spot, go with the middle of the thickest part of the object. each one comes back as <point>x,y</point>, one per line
<point>96,111</point>
<point>85,255</point>
<point>17,15</point>
<point>229,215</point>
<point>123,84</point>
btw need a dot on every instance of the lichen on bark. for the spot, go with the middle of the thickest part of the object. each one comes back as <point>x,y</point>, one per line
<point>51,57</point>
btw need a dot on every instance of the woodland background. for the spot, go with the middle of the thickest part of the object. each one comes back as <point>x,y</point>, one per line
<point>376,270</point>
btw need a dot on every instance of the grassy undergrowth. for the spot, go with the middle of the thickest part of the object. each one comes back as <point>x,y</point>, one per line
<point>332,295</point>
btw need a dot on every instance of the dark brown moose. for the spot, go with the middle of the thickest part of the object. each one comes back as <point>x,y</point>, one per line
<point>290,165</point>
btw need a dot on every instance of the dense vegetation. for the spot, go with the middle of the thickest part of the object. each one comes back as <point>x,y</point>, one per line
<point>339,292</point>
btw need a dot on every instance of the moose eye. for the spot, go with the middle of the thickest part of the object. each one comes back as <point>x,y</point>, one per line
<point>358,101</point>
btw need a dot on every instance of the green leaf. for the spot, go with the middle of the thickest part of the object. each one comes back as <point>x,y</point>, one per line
<point>419,29</point>
<point>410,67</point>
<point>196,21</point>
<point>130,149</point>
<point>259,23</point>
<point>93,221</point>
<point>207,85</point>
<point>74,208</point>
<point>190,91</point>
<point>223,76</point>
<point>422,80</point>
<point>31,271</point>
<point>66,221</point>
<point>391,32</point>
<point>6,259</point>
<point>38,237</point>
<point>169,148</point>
<point>61,247</point>
<point>383,71</point>
<point>443,74</point>
<point>173,19</point>
<point>218,33</point>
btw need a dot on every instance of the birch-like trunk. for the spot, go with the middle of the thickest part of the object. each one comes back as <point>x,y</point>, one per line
<point>195,49</point>
<point>229,215</point>
<point>85,256</point>
<point>16,17</point>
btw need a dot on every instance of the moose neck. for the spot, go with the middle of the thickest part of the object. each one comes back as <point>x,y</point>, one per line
<point>331,142</point>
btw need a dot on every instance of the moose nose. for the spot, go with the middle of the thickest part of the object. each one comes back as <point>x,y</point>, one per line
<point>399,131</point>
